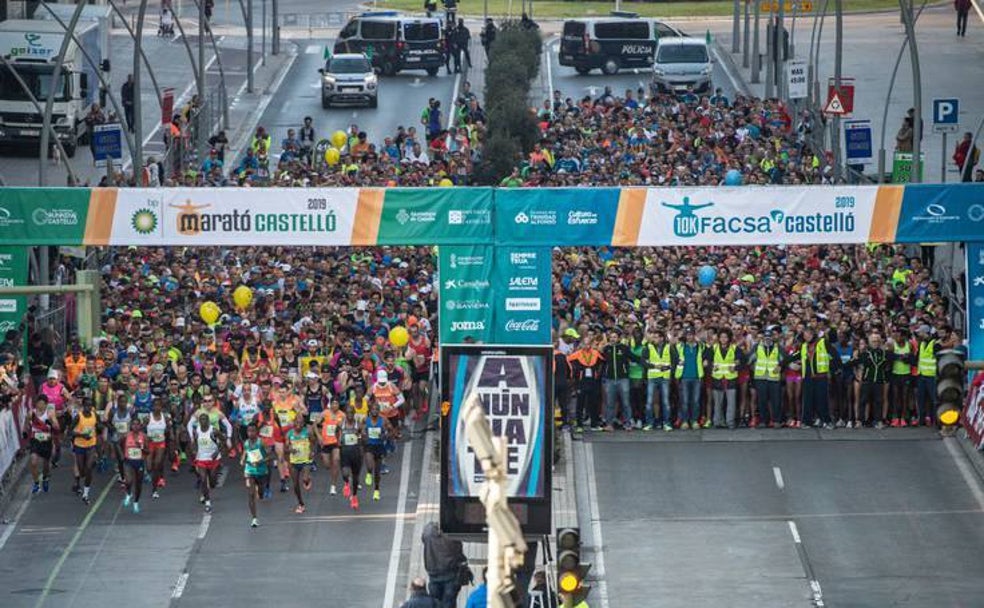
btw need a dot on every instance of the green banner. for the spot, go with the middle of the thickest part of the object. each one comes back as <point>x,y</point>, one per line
<point>436,215</point>
<point>13,273</point>
<point>521,280</point>
<point>466,294</point>
<point>44,216</point>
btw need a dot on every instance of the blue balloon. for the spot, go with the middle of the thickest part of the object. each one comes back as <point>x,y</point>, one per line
<point>733,178</point>
<point>706,275</point>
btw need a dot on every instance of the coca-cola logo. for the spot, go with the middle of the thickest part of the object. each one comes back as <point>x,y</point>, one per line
<point>524,325</point>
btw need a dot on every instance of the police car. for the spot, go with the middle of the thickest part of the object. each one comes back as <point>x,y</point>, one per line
<point>394,42</point>
<point>612,43</point>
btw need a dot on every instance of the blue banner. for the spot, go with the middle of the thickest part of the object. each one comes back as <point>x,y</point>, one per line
<point>940,212</point>
<point>521,283</point>
<point>579,216</point>
<point>975,300</point>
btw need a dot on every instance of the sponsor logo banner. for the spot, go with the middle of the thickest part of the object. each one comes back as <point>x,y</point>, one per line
<point>13,273</point>
<point>975,299</point>
<point>43,216</point>
<point>466,295</point>
<point>555,217</point>
<point>429,216</point>
<point>521,280</point>
<point>935,213</point>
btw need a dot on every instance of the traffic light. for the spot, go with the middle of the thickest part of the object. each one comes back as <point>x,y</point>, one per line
<point>950,381</point>
<point>571,571</point>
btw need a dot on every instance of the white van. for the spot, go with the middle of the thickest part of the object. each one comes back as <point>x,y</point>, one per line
<point>682,63</point>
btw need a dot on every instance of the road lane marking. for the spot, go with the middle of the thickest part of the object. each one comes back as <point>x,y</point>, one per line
<point>795,532</point>
<point>817,593</point>
<point>179,586</point>
<point>970,478</point>
<point>397,548</point>
<point>778,475</point>
<point>203,529</point>
<point>13,524</point>
<point>599,552</point>
<point>786,516</point>
<point>71,545</point>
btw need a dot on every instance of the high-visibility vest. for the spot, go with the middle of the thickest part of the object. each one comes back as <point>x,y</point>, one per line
<point>700,361</point>
<point>927,359</point>
<point>725,367</point>
<point>661,359</point>
<point>766,363</point>
<point>635,367</point>
<point>900,367</point>
<point>822,357</point>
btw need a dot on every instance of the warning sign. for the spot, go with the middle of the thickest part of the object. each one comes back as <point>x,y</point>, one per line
<point>834,106</point>
<point>844,93</point>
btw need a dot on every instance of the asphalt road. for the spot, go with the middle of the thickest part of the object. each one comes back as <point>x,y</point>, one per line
<point>401,99</point>
<point>58,552</point>
<point>572,84</point>
<point>869,522</point>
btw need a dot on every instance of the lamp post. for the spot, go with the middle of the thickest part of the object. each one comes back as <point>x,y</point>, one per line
<point>49,103</point>
<point>910,33</point>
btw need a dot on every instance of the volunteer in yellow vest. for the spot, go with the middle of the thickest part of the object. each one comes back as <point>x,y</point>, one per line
<point>84,429</point>
<point>929,349</point>
<point>586,365</point>
<point>662,360</point>
<point>902,356</point>
<point>815,368</point>
<point>723,359</point>
<point>689,373</point>
<point>764,361</point>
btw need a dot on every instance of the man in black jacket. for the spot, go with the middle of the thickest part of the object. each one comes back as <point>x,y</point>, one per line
<point>443,558</point>
<point>463,38</point>
<point>616,355</point>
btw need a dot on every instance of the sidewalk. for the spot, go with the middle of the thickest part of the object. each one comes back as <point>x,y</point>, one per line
<point>429,501</point>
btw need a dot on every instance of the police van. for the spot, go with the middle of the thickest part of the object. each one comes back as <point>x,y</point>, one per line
<point>394,42</point>
<point>611,43</point>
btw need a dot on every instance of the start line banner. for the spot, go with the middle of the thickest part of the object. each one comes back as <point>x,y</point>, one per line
<point>532,217</point>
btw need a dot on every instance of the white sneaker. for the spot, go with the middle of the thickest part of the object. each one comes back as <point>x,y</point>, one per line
<point>332,491</point>
<point>254,523</point>
<point>840,423</point>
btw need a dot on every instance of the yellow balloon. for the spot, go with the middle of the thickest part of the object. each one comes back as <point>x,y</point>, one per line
<point>243,297</point>
<point>332,156</point>
<point>445,183</point>
<point>209,312</point>
<point>339,139</point>
<point>399,336</point>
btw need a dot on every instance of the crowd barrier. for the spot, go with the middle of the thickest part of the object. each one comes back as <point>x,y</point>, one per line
<point>973,414</point>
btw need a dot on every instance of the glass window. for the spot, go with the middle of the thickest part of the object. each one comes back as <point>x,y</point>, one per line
<point>37,79</point>
<point>622,30</point>
<point>427,31</point>
<point>378,30</point>
<point>350,29</point>
<point>682,53</point>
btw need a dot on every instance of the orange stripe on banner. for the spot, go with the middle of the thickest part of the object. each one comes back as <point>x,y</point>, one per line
<point>885,219</point>
<point>628,220</point>
<point>368,214</point>
<point>99,221</point>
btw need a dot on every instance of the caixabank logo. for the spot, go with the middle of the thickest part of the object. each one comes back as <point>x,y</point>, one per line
<point>688,224</point>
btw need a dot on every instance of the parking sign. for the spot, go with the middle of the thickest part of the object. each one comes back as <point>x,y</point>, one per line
<point>946,115</point>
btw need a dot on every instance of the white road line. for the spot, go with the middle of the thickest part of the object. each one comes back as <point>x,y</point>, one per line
<point>778,475</point>
<point>454,96</point>
<point>795,532</point>
<point>13,524</point>
<point>179,587</point>
<point>817,594</point>
<point>973,482</point>
<point>394,562</point>
<point>599,546</point>
<point>206,522</point>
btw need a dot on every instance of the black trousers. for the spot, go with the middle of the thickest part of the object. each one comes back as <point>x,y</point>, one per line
<point>589,398</point>
<point>962,22</point>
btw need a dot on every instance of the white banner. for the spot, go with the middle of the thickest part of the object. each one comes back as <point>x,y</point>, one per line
<point>9,440</point>
<point>757,216</point>
<point>241,216</point>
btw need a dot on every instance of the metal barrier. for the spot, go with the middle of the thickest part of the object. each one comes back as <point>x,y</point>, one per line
<point>57,320</point>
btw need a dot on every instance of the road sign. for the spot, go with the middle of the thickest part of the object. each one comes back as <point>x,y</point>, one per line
<point>107,144</point>
<point>772,6</point>
<point>167,106</point>
<point>845,95</point>
<point>857,141</point>
<point>796,83</point>
<point>834,106</point>
<point>946,115</point>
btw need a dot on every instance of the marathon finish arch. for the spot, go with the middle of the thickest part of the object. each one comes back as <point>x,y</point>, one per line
<point>624,217</point>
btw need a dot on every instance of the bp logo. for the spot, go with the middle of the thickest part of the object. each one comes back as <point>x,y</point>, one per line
<point>144,221</point>
<point>402,216</point>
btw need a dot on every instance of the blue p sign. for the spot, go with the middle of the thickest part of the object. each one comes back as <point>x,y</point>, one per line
<point>946,111</point>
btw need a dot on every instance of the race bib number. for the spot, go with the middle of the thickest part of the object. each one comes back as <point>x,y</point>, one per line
<point>134,453</point>
<point>589,373</point>
<point>266,431</point>
<point>350,439</point>
<point>41,436</point>
<point>122,427</point>
<point>157,436</point>
<point>254,457</point>
<point>284,418</point>
<point>375,432</point>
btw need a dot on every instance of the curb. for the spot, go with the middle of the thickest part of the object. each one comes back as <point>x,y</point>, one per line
<point>973,455</point>
<point>11,481</point>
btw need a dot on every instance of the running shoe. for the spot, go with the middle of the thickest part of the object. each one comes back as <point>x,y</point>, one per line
<point>647,427</point>
<point>85,499</point>
<point>879,425</point>
<point>375,494</point>
<point>903,423</point>
<point>347,490</point>
<point>755,423</point>
<point>384,470</point>
<point>254,523</point>
<point>35,488</point>
<point>283,486</point>
<point>707,424</point>
<point>354,502</point>
<point>927,421</point>
<point>895,423</point>
<point>840,423</point>
<point>299,509</point>
<point>579,429</point>
<point>45,485</point>
<point>201,499</point>
<point>136,508</point>
<point>208,506</point>
<point>368,479</point>
<point>667,427</point>
<point>267,493</point>
<point>332,491</point>
<point>155,495</point>
<point>126,501</point>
